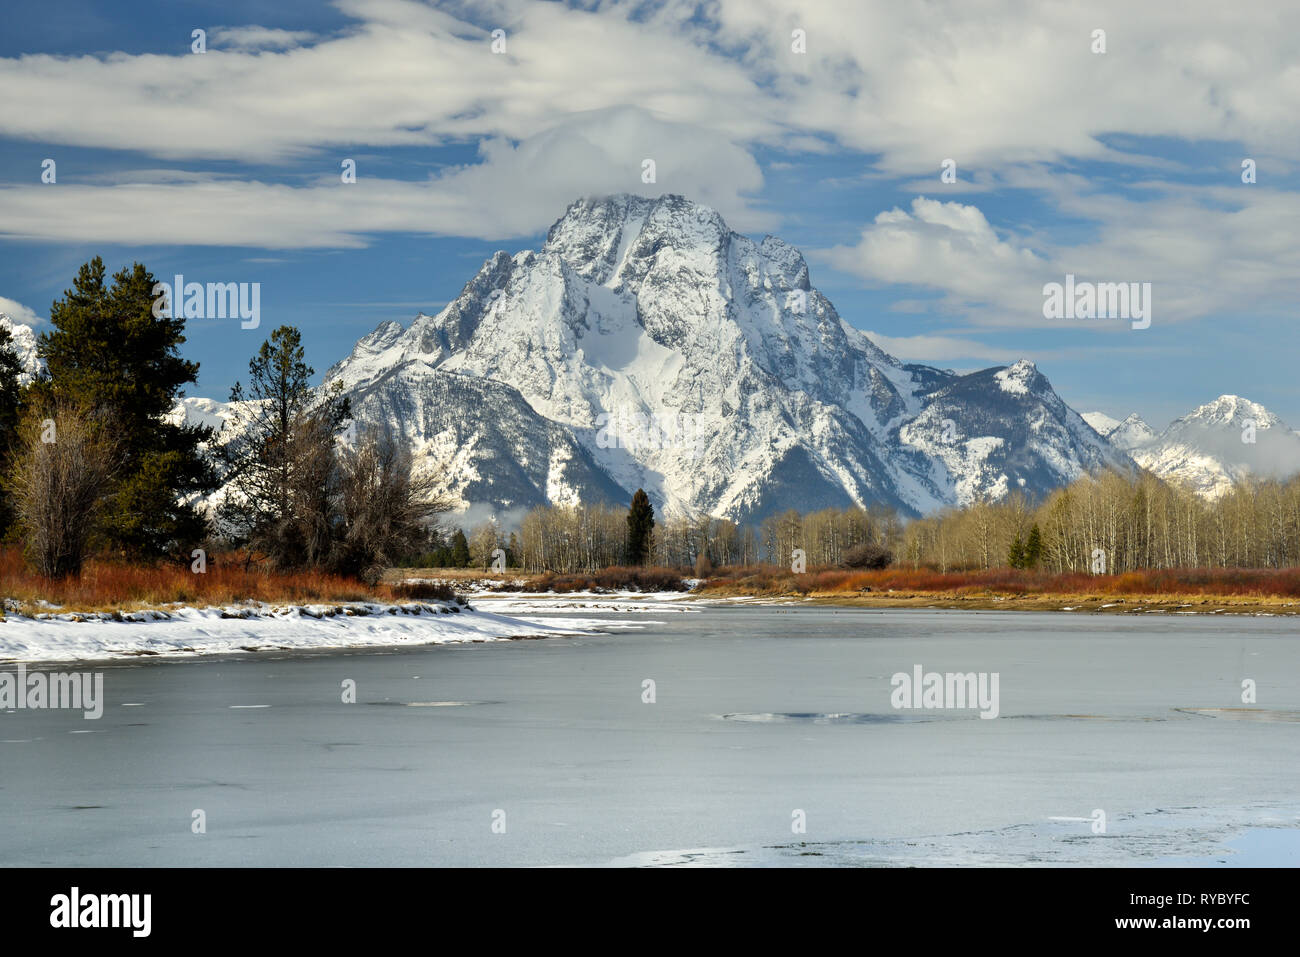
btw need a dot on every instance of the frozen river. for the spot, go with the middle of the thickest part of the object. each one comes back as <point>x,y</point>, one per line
<point>764,719</point>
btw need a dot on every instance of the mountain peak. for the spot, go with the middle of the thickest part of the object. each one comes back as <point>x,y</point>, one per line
<point>535,384</point>
<point>1019,378</point>
<point>613,239</point>
<point>1217,445</point>
<point>1232,410</point>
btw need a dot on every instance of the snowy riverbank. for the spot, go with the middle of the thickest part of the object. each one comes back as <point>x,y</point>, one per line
<point>246,628</point>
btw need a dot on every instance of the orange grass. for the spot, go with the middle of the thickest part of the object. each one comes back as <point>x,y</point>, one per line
<point>1253,582</point>
<point>106,585</point>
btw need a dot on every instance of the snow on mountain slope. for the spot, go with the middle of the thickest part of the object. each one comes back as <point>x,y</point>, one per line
<point>1219,444</point>
<point>193,410</point>
<point>1132,433</point>
<point>1212,447</point>
<point>1101,423</point>
<point>23,340</point>
<point>759,397</point>
<point>1004,430</point>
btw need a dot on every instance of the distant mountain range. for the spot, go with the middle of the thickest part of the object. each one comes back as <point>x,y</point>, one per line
<point>1211,448</point>
<point>646,345</point>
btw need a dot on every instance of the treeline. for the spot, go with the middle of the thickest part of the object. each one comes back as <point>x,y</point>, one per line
<point>1134,521</point>
<point>95,462</point>
<point>1100,524</point>
<point>586,538</point>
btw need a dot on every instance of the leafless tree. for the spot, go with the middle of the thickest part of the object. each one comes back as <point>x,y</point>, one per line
<point>59,479</point>
<point>383,506</point>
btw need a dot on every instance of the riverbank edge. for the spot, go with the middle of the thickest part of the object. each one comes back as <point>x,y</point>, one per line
<point>1096,604</point>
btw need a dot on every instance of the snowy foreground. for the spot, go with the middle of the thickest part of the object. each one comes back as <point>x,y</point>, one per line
<point>204,631</point>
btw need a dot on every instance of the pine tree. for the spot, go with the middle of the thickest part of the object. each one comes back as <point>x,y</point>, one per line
<point>1034,547</point>
<point>108,352</point>
<point>1016,554</point>
<point>11,367</point>
<point>282,468</point>
<point>640,528</point>
<point>459,550</point>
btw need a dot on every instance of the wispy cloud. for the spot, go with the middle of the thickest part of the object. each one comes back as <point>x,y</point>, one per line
<point>18,312</point>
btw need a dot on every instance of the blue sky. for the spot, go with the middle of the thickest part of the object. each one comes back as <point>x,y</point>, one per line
<point>1119,166</point>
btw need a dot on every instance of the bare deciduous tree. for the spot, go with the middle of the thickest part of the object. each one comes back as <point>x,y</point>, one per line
<point>59,481</point>
<point>384,507</point>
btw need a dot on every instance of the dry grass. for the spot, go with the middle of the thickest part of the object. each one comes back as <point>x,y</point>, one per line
<point>1259,583</point>
<point>108,586</point>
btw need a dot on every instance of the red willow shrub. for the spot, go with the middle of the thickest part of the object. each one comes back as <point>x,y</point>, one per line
<point>1256,582</point>
<point>105,584</point>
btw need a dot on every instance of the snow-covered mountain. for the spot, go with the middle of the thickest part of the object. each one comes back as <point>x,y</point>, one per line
<point>23,341</point>
<point>1211,448</point>
<point>1132,433</point>
<point>645,344</point>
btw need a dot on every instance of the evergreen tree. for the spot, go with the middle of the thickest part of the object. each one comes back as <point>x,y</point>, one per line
<point>1016,554</point>
<point>108,352</point>
<point>281,465</point>
<point>1034,547</point>
<point>459,550</point>
<point>11,367</point>
<point>640,528</point>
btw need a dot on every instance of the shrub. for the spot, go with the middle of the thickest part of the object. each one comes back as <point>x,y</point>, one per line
<point>868,555</point>
<point>615,578</point>
<point>423,590</point>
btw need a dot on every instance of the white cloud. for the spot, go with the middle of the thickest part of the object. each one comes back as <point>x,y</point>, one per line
<point>515,190</point>
<point>18,312</point>
<point>940,349</point>
<point>256,38</point>
<point>989,84</point>
<point>948,246</point>
<point>582,95</point>
<point>1000,82</point>
<point>407,75</point>
<point>1206,251</point>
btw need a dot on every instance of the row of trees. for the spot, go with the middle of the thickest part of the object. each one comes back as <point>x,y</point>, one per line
<point>1133,520</point>
<point>589,537</point>
<point>1136,521</point>
<point>96,461</point>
